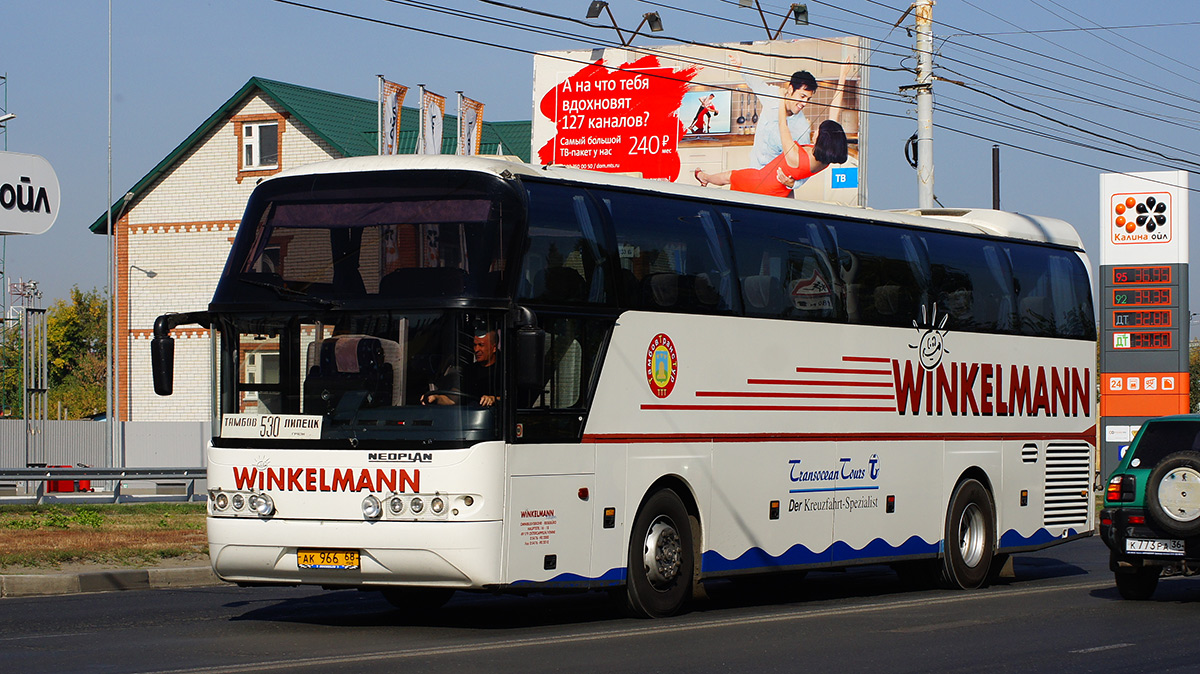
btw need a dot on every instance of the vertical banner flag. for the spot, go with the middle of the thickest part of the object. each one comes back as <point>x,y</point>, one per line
<point>433,109</point>
<point>470,125</point>
<point>391,97</point>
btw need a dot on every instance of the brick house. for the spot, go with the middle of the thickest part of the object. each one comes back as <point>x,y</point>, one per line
<point>175,226</point>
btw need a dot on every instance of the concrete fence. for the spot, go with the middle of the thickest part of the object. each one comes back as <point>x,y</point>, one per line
<point>144,444</point>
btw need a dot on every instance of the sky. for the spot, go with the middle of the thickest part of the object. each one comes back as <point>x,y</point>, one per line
<point>1068,88</point>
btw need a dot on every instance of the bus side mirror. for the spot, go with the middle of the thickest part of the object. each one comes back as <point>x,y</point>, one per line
<point>162,347</point>
<point>531,358</point>
<point>162,360</point>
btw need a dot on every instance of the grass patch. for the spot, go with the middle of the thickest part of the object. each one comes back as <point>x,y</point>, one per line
<point>49,536</point>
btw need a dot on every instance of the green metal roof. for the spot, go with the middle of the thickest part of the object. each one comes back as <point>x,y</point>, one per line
<point>348,123</point>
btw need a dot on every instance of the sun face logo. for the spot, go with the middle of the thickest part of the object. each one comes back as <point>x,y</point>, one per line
<point>932,343</point>
<point>1141,218</point>
<point>662,365</point>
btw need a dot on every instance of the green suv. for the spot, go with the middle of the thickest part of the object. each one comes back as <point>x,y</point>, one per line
<point>1151,515</point>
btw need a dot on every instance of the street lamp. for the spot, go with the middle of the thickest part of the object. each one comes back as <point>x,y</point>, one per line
<point>649,18</point>
<point>798,12</point>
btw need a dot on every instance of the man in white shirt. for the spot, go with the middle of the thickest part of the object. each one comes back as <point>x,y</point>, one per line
<point>794,95</point>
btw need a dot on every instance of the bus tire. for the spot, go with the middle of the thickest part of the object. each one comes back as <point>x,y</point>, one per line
<point>1139,584</point>
<point>417,598</point>
<point>661,558</point>
<point>1170,501</point>
<point>970,536</point>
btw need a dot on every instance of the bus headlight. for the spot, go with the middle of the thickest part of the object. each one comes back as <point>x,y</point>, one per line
<point>262,504</point>
<point>221,501</point>
<point>238,501</point>
<point>396,505</point>
<point>437,505</point>
<point>371,508</point>
<point>416,505</point>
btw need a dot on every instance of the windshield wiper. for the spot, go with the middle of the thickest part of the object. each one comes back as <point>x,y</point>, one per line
<point>287,293</point>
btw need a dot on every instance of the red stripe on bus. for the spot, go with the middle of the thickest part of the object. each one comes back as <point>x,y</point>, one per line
<point>786,394</point>
<point>1088,436</point>
<point>820,382</point>
<point>842,370</point>
<point>866,359</point>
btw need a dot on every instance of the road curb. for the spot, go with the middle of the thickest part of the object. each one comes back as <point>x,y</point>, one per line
<point>33,585</point>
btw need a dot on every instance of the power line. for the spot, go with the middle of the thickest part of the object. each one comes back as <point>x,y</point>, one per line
<point>520,50</point>
<point>1122,47</point>
<point>1123,108</point>
<point>577,61</point>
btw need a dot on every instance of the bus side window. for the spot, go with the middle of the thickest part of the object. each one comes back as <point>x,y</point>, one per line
<point>1053,293</point>
<point>574,350</point>
<point>786,267</point>
<point>565,260</point>
<point>973,284</point>
<point>891,276</point>
<point>674,255</point>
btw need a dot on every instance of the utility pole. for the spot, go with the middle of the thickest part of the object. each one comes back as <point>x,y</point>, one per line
<point>923,10</point>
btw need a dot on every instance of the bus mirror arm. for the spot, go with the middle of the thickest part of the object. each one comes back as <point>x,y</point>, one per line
<point>162,347</point>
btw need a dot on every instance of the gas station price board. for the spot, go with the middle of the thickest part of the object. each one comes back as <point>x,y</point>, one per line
<point>1144,311</point>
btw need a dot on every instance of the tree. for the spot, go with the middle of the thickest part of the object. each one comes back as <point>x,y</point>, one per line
<point>11,397</point>
<point>76,346</point>
<point>1194,369</point>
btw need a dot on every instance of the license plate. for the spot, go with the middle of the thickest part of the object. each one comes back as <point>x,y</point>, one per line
<point>327,559</point>
<point>1154,546</point>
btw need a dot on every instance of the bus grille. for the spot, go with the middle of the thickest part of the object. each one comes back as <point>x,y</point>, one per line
<point>1068,484</point>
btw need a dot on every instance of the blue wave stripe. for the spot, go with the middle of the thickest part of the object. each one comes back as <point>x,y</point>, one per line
<point>839,551</point>
<point>610,577</point>
<point>1013,539</point>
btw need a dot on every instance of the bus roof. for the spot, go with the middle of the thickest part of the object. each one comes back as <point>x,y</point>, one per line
<point>976,221</point>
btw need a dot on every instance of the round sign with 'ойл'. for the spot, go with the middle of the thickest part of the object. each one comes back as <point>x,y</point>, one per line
<point>662,365</point>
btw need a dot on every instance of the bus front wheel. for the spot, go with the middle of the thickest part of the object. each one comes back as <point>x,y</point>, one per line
<point>970,536</point>
<point>661,558</point>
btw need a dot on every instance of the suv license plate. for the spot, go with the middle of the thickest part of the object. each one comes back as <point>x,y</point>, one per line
<point>1154,546</point>
<point>328,559</point>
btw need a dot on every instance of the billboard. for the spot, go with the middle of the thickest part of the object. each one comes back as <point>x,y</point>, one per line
<point>708,114</point>
<point>29,194</point>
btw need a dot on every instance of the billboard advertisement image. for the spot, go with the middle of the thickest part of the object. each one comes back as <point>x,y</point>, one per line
<point>741,116</point>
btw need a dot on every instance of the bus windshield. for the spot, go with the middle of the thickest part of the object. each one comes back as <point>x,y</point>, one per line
<point>371,379</point>
<point>373,238</point>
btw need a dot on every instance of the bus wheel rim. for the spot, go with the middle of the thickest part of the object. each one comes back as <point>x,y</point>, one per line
<point>662,553</point>
<point>971,532</point>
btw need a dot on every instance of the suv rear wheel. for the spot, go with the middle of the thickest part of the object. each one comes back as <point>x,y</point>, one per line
<point>1173,494</point>
<point>1138,585</point>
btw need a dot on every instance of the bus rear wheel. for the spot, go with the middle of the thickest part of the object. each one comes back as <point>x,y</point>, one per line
<point>970,536</point>
<point>661,558</point>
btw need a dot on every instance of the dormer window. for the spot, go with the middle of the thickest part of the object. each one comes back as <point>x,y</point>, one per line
<point>260,146</point>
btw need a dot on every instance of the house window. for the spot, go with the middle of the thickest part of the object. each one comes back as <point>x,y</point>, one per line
<point>260,146</point>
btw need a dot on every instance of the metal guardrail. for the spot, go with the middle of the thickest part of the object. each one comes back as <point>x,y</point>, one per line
<point>119,476</point>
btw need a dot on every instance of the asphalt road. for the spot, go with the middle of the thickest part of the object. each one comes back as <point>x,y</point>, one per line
<point>1060,613</point>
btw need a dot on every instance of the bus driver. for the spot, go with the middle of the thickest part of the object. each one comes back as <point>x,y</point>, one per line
<point>479,379</point>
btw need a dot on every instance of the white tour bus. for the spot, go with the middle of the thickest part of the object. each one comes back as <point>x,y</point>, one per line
<point>446,373</point>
